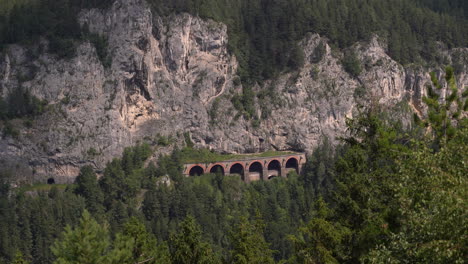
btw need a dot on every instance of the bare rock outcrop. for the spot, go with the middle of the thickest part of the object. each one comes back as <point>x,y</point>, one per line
<point>173,75</point>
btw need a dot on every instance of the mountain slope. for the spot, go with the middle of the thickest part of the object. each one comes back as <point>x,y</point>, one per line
<point>173,76</point>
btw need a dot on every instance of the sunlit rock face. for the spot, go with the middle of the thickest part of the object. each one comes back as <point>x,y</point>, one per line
<point>173,75</point>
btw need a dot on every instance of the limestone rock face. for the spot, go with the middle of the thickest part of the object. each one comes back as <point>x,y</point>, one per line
<point>173,75</point>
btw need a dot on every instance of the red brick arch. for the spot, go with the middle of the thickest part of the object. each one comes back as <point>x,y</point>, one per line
<point>196,165</point>
<point>224,166</point>
<point>278,160</point>
<point>242,163</point>
<point>252,162</point>
<point>297,162</point>
<point>229,167</point>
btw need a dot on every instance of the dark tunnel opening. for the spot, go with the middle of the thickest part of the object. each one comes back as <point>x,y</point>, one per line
<point>217,169</point>
<point>292,164</point>
<point>196,171</point>
<point>274,169</point>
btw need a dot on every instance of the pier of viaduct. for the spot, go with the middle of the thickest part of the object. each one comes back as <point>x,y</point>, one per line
<point>251,168</point>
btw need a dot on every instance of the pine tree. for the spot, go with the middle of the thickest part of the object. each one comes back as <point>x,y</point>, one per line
<point>187,246</point>
<point>88,187</point>
<point>136,245</point>
<point>19,259</point>
<point>88,243</point>
<point>444,110</point>
<point>320,241</point>
<point>248,243</point>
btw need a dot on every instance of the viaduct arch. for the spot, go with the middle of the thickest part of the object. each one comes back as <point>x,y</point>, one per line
<point>251,168</point>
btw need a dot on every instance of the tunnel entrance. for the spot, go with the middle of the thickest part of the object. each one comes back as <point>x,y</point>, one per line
<point>292,164</point>
<point>51,181</point>
<point>255,171</point>
<point>217,169</point>
<point>196,171</point>
<point>274,169</point>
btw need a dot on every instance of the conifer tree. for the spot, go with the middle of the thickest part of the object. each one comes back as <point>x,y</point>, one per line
<point>444,110</point>
<point>320,240</point>
<point>19,259</point>
<point>88,187</point>
<point>88,243</point>
<point>187,246</point>
<point>248,243</point>
<point>136,245</point>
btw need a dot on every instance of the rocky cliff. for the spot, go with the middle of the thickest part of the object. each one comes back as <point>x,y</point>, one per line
<point>173,75</point>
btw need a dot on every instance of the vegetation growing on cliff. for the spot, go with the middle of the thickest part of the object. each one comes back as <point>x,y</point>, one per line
<point>21,103</point>
<point>191,155</point>
<point>264,34</point>
<point>385,195</point>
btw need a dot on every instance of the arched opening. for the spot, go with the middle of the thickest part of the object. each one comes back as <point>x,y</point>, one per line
<point>237,169</point>
<point>292,164</point>
<point>217,169</point>
<point>51,181</point>
<point>255,171</point>
<point>274,169</point>
<point>196,171</point>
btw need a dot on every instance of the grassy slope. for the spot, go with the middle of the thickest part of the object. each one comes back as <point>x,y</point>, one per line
<point>206,156</point>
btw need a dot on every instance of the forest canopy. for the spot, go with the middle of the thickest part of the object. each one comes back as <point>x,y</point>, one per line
<point>386,194</point>
<point>264,33</point>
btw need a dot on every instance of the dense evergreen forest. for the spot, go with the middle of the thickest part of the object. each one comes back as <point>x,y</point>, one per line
<point>264,33</point>
<point>386,195</point>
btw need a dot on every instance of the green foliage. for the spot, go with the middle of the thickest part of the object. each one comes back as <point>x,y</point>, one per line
<point>90,242</point>
<point>19,259</point>
<point>101,44</point>
<point>319,171</point>
<point>92,152</point>
<point>359,92</point>
<point>352,64</point>
<point>123,177</point>
<point>443,114</point>
<point>392,199</point>
<point>187,246</point>
<point>296,57</point>
<point>84,244</point>
<point>189,155</point>
<point>248,243</point>
<point>136,245</point>
<point>20,103</point>
<point>27,20</point>
<point>431,193</point>
<point>245,103</point>
<point>188,140</point>
<point>64,48</point>
<point>213,113</point>
<point>319,52</point>
<point>161,140</point>
<point>30,224</point>
<point>264,34</point>
<point>321,240</point>
<point>10,130</point>
<point>87,186</point>
<point>3,109</point>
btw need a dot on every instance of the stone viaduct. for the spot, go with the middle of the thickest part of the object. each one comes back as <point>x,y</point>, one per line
<point>251,168</point>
